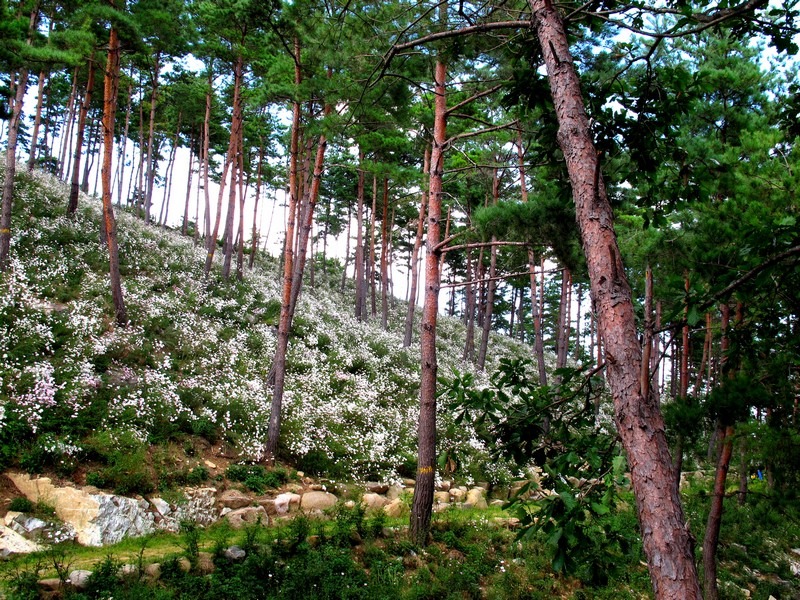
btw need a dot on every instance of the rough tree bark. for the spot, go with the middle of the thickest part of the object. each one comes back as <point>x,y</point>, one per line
<point>666,539</point>
<point>11,169</point>
<point>426,454</point>
<point>111,84</point>
<point>279,364</point>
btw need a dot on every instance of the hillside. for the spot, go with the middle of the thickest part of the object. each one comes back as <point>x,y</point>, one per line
<point>188,373</point>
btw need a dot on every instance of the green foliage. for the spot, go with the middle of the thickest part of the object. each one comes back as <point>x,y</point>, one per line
<point>256,477</point>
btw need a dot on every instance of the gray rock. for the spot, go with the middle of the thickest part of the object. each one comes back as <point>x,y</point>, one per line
<point>477,498</point>
<point>249,515</point>
<point>79,578</point>
<point>235,553</point>
<point>373,501</point>
<point>12,543</point>
<point>394,492</point>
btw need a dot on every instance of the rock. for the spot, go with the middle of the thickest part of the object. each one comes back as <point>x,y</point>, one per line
<point>484,485</point>
<point>184,565</point>
<point>286,503</point>
<point>249,515</point>
<point>444,486</point>
<point>128,571</point>
<point>516,486</point>
<point>12,543</point>
<point>97,518</point>
<point>153,571</point>
<point>79,578</point>
<point>38,530</point>
<point>234,553</point>
<point>234,499</point>
<point>294,488</point>
<point>409,482</point>
<point>161,506</point>
<point>507,522</point>
<point>497,503</point>
<point>441,497</point>
<point>394,492</point>
<point>209,464</point>
<point>500,493</point>
<point>477,498</point>
<point>376,488</point>
<point>395,508</point>
<point>317,487</point>
<point>317,501</point>
<point>458,494</point>
<point>205,563</point>
<point>268,503</point>
<point>50,585</point>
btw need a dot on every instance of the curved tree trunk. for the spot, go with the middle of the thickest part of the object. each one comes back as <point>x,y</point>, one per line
<point>666,539</point>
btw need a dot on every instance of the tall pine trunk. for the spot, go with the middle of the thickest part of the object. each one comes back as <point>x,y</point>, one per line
<point>665,536</point>
<point>11,168</point>
<point>360,275</point>
<point>233,156</point>
<point>426,453</point>
<point>279,364</point>
<point>37,122</point>
<point>111,84</point>
<point>152,167</point>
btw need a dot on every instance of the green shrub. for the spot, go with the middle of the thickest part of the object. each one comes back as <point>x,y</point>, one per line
<point>21,504</point>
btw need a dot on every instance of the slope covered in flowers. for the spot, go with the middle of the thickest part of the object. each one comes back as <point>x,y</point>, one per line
<point>194,359</point>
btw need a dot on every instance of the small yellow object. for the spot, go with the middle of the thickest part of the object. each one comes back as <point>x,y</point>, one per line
<point>423,470</point>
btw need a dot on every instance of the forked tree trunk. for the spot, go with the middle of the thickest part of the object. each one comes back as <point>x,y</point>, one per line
<point>412,294</point>
<point>76,163</point>
<point>279,364</point>
<point>665,535</point>
<point>111,84</point>
<point>426,454</point>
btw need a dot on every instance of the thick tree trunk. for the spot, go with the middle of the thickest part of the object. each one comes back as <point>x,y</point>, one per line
<point>666,539</point>
<point>11,169</point>
<point>426,454</point>
<point>279,364</point>
<point>111,84</point>
<point>76,163</point>
<point>412,294</point>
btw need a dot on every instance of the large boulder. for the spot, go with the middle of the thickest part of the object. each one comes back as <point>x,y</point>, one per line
<point>286,503</point>
<point>395,508</point>
<point>234,499</point>
<point>477,498</point>
<point>39,530</point>
<point>249,515</point>
<point>12,543</point>
<point>316,500</point>
<point>373,501</point>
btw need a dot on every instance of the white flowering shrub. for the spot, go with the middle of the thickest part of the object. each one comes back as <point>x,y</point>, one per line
<point>195,357</point>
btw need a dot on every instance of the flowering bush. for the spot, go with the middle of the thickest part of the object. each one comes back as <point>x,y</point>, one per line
<point>195,357</point>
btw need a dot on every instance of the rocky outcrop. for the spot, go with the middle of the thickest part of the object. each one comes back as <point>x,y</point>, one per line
<point>96,518</point>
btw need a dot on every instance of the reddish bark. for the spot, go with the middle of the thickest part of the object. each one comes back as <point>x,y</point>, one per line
<point>36,122</point>
<point>360,275</point>
<point>11,168</point>
<point>665,536</point>
<point>385,257</point>
<point>111,84</point>
<point>279,364</point>
<point>426,456</point>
